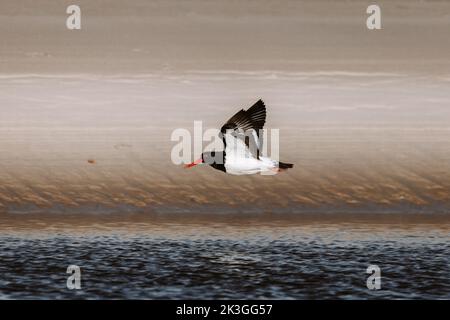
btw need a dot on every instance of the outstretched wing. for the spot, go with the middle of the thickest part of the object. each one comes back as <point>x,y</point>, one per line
<point>245,125</point>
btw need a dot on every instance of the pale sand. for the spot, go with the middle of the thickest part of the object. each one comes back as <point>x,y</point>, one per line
<point>147,36</point>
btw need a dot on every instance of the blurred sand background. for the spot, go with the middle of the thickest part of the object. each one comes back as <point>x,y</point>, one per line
<point>364,115</point>
<point>148,36</point>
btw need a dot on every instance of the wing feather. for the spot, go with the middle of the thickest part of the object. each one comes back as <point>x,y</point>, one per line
<point>246,124</point>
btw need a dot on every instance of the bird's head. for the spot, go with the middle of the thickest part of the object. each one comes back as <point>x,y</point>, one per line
<point>212,158</point>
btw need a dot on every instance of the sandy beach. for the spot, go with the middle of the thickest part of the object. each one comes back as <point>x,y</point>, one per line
<point>359,142</point>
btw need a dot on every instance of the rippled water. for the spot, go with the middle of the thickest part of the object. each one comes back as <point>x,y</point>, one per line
<point>236,258</point>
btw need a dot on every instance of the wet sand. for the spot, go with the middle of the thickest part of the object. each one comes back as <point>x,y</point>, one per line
<point>359,143</point>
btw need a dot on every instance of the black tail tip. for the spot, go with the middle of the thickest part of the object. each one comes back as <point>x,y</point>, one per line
<point>283,165</point>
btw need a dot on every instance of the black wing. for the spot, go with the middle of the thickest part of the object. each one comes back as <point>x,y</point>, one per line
<point>247,123</point>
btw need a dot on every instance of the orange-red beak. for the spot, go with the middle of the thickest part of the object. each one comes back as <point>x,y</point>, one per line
<point>196,162</point>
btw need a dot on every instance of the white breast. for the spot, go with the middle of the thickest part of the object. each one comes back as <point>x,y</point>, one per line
<point>239,159</point>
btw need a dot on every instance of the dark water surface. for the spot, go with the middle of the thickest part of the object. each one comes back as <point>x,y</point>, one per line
<point>240,258</point>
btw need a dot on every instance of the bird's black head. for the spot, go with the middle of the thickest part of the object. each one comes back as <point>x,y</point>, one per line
<point>214,159</point>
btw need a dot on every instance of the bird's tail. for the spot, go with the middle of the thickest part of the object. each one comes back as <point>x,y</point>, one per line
<point>285,166</point>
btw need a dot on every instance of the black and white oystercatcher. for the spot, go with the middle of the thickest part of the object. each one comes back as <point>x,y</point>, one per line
<point>242,145</point>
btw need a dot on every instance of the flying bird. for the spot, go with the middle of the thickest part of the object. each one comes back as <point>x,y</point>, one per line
<point>242,145</point>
